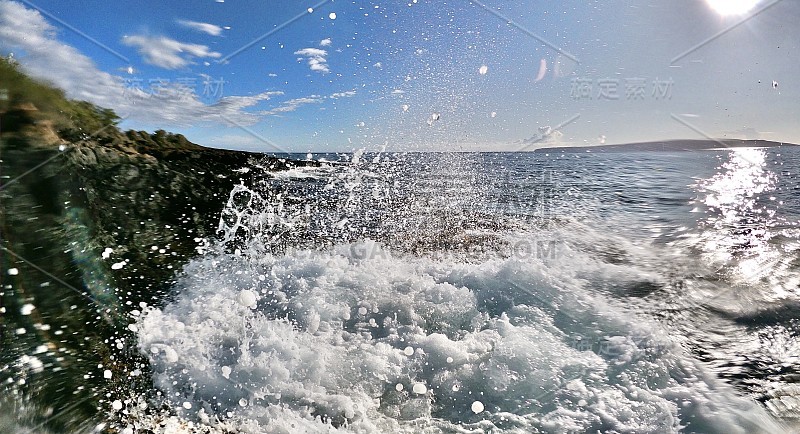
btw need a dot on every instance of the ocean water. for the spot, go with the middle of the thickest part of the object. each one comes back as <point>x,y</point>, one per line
<point>472,293</point>
<point>484,293</point>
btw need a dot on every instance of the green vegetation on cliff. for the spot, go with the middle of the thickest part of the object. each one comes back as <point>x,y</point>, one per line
<point>31,102</point>
<point>35,109</point>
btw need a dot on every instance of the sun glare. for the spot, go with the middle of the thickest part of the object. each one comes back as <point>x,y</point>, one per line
<point>732,7</point>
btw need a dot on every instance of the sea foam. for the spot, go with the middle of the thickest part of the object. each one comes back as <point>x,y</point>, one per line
<point>298,322</point>
<point>339,341</point>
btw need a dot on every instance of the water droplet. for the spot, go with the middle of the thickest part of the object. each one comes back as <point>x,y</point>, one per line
<point>170,355</point>
<point>247,298</point>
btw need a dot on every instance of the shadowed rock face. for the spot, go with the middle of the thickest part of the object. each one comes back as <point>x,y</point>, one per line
<point>141,203</point>
<point>151,203</point>
<point>93,222</point>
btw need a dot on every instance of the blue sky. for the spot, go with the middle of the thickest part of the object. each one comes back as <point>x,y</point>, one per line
<point>422,75</point>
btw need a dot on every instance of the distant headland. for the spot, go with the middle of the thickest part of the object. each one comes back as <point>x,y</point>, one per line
<point>667,146</point>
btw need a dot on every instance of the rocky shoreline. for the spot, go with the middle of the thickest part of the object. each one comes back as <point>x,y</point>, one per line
<point>90,233</point>
<point>92,228</point>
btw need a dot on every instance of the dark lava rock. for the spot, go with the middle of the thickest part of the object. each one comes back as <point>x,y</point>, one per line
<point>152,200</point>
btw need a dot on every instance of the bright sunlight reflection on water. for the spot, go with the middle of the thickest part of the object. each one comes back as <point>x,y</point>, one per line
<point>741,222</point>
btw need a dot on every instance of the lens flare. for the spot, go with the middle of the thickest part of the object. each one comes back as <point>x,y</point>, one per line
<point>732,7</point>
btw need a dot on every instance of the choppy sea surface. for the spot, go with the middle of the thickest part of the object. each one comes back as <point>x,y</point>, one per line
<point>485,293</point>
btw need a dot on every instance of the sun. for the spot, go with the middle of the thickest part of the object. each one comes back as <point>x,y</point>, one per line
<point>732,7</point>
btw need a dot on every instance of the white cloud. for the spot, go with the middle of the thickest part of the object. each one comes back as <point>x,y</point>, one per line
<point>26,30</point>
<point>47,58</point>
<point>316,59</point>
<point>311,52</point>
<point>211,29</point>
<point>546,136</point>
<point>292,105</point>
<point>325,42</point>
<point>345,94</point>
<point>168,53</point>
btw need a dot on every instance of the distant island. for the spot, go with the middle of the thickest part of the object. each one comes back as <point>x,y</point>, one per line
<point>667,146</point>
